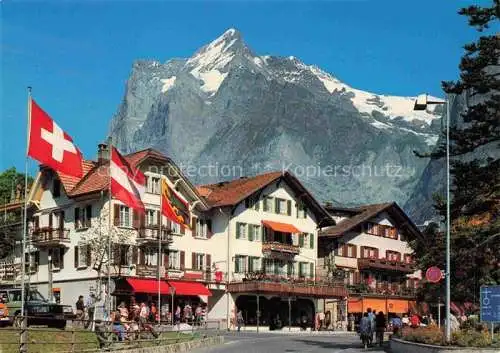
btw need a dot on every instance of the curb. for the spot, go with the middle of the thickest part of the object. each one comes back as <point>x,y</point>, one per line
<point>179,347</point>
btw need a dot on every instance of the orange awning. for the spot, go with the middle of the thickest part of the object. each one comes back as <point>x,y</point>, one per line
<point>189,288</point>
<point>281,227</point>
<point>148,286</point>
<point>398,306</point>
<point>375,304</point>
<point>355,305</point>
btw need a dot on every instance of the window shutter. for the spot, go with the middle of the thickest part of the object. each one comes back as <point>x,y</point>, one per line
<point>209,228</point>
<point>134,255</point>
<point>158,215</point>
<point>266,204</point>
<point>193,226</point>
<point>354,251</point>
<point>61,220</point>
<point>311,269</point>
<point>250,264</point>
<point>61,258</point>
<point>116,215</point>
<point>238,235</point>
<point>237,264</point>
<point>305,212</point>
<point>301,240</point>
<point>363,253</point>
<point>276,206</point>
<point>250,232</point>
<point>165,261</point>
<point>77,218</point>
<point>209,262</point>
<point>89,255</point>
<point>135,222</point>
<point>89,215</point>
<point>50,220</point>
<point>183,260</point>
<point>142,256</point>
<point>183,229</point>
<point>311,240</point>
<point>193,261</point>
<point>76,256</point>
<point>289,207</point>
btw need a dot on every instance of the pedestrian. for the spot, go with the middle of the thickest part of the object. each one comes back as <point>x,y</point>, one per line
<point>80,309</point>
<point>351,320</point>
<point>143,313</point>
<point>177,315</point>
<point>321,320</point>
<point>365,330</point>
<point>396,325</point>
<point>91,303</point>
<point>239,320</point>
<point>380,324</point>
<point>405,320</point>
<point>118,327</point>
<point>414,321</point>
<point>371,316</point>
<point>197,314</point>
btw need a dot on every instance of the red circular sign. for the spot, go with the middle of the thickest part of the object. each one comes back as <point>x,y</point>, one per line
<point>433,274</point>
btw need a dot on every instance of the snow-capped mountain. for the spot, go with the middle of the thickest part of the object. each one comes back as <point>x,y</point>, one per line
<point>227,106</point>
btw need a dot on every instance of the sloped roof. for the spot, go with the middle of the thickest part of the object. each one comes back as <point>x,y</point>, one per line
<point>231,193</point>
<point>365,213</point>
<point>69,181</point>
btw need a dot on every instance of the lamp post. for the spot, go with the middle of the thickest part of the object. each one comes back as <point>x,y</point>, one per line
<point>172,293</point>
<point>49,265</point>
<point>421,103</point>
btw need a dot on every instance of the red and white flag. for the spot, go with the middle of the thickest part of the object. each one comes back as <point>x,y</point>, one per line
<point>127,184</point>
<point>50,145</point>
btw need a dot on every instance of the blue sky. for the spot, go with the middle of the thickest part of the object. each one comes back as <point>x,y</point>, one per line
<point>77,55</point>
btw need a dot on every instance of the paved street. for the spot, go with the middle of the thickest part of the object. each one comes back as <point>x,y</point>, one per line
<point>276,343</point>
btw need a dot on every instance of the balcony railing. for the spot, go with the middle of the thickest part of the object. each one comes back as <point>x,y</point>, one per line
<point>9,271</point>
<point>50,236</point>
<point>151,233</point>
<point>272,247</point>
<point>385,264</point>
<point>383,288</point>
<point>288,285</point>
<point>151,271</point>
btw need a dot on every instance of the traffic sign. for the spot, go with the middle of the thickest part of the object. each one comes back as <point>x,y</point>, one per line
<point>433,274</point>
<point>490,303</point>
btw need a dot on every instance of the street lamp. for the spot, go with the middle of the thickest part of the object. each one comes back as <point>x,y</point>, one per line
<point>172,293</point>
<point>421,103</point>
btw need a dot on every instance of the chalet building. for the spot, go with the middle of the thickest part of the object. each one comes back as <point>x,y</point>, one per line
<point>266,231</point>
<point>368,247</point>
<point>69,229</point>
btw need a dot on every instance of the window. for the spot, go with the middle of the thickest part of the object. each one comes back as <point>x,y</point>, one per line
<point>151,217</point>
<point>253,232</point>
<point>240,264</point>
<point>32,261</point>
<point>176,228</point>
<point>56,188</point>
<point>83,216</point>
<point>382,230</point>
<point>290,268</point>
<point>150,256</point>
<point>203,228</point>
<point>82,255</point>
<point>153,185</point>
<point>125,216</point>
<point>350,251</point>
<point>303,269</point>
<point>283,206</point>
<point>252,202</point>
<point>370,252</point>
<point>301,211</point>
<point>268,204</point>
<point>174,261</point>
<point>241,230</point>
<point>57,257</point>
<point>340,249</point>
<point>253,264</point>
<point>198,261</point>
<point>393,255</point>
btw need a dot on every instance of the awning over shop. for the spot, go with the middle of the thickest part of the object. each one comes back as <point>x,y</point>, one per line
<point>281,227</point>
<point>189,288</point>
<point>398,306</point>
<point>375,304</point>
<point>355,305</point>
<point>391,305</point>
<point>149,286</point>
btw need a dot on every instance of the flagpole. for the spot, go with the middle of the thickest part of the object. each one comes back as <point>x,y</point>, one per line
<point>110,197</point>
<point>160,222</point>
<point>25,215</point>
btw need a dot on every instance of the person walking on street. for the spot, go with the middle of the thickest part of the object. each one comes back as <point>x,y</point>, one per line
<point>365,330</point>
<point>91,303</point>
<point>239,320</point>
<point>371,316</point>
<point>380,324</point>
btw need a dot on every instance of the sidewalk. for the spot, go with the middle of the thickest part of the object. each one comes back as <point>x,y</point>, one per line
<point>293,331</point>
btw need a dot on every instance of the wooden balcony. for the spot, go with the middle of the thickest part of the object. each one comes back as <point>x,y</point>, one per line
<point>306,288</point>
<point>277,248</point>
<point>50,237</point>
<point>149,235</point>
<point>383,289</point>
<point>385,264</point>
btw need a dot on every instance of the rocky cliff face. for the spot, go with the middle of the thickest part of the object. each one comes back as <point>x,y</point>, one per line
<point>226,112</point>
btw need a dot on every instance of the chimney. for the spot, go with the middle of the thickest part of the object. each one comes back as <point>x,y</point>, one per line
<point>102,153</point>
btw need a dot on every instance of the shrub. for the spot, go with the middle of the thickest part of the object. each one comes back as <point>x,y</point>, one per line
<point>471,338</point>
<point>427,335</point>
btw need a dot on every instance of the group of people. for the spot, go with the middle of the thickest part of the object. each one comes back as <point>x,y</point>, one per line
<point>85,310</point>
<point>370,324</point>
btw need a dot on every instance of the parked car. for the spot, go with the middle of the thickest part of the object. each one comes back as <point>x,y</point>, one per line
<point>38,309</point>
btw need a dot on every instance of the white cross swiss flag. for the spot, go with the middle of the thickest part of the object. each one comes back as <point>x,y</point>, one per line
<point>50,145</point>
<point>127,184</point>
